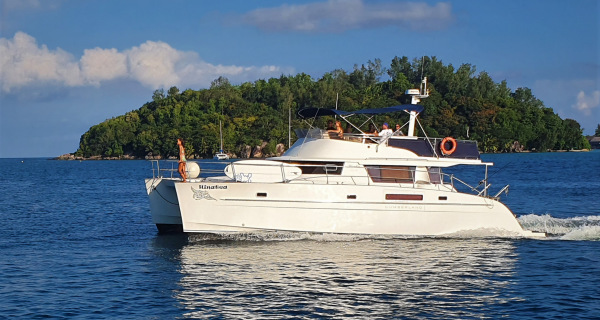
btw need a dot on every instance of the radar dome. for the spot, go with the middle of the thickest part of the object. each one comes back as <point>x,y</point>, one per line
<point>192,169</point>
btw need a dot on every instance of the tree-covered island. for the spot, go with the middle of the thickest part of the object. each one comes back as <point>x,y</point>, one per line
<point>462,104</point>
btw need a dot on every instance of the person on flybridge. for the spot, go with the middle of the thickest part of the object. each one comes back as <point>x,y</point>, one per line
<point>372,130</point>
<point>385,131</point>
<point>337,131</point>
<point>398,132</point>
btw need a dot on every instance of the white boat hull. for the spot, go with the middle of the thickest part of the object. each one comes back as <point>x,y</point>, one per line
<point>299,207</point>
<point>221,156</point>
<point>164,206</point>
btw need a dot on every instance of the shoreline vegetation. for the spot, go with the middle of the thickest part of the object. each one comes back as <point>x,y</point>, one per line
<point>71,156</point>
<point>255,114</point>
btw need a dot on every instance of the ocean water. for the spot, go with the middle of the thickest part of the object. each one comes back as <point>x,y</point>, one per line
<point>77,242</point>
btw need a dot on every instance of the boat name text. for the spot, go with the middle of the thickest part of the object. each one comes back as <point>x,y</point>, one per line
<point>205,187</point>
<point>410,207</point>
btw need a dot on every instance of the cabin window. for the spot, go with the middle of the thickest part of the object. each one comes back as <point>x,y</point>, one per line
<point>320,167</point>
<point>261,194</point>
<point>435,175</point>
<point>391,174</point>
<point>413,197</point>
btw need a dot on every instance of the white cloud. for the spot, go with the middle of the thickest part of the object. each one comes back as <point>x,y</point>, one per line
<point>154,64</point>
<point>342,15</point>
<point>103,64</point>
<point>586,103</point>
<point>23,62</point>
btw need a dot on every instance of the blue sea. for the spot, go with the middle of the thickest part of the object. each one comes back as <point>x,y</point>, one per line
<point>77,242</point>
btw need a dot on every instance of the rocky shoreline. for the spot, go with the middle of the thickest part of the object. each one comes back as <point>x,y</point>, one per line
<point>245,152</point>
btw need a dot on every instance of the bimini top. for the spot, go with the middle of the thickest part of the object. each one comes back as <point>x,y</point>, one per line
<point>319,112</point>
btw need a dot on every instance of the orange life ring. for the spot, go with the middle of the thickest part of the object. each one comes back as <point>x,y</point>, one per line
<point>445,151</point>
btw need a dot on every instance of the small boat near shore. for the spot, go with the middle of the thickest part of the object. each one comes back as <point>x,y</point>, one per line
<point>343,184</point>
<point>221,155</point>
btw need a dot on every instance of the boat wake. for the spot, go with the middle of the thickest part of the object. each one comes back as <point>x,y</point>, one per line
<point>576,228</point>
<point>287,236</point>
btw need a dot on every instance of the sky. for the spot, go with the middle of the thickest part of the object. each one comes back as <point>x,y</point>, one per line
<point>66,65</point>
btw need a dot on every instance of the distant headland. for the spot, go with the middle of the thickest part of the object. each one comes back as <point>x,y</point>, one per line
<point>257,116</point>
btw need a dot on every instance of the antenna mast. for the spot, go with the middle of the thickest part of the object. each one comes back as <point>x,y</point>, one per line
<point>422,66</point>
<point>337,96</point>
<point>416,96</point>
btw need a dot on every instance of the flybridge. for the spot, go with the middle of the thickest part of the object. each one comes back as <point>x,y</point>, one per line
<point>413,109</point>
<point>422,147</point>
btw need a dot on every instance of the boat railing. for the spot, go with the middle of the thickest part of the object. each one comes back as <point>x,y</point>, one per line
<point>411,174</point>
<point>168,168</point>
<point>317,133</point>
<point>331,174</point>
<point>483,192</point>
<point>158,172</point>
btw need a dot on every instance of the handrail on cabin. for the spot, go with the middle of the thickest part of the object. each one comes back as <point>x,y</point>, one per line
<point>334,178</point>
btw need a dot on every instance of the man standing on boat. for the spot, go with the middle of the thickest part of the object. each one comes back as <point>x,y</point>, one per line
<point>182,160</point>
<point>385,131</point>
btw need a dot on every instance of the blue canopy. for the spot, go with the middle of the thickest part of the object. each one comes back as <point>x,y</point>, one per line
<point>318,112</point>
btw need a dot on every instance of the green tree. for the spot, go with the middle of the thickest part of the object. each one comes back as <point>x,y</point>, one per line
<point>158,95</point>
<point>461,104</point>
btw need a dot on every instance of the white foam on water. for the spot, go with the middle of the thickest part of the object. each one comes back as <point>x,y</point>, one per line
<point>575,228</point>
<point>337,237</point>
<point>291,236</point>
<point>585,233</point>
<point>482,233</point>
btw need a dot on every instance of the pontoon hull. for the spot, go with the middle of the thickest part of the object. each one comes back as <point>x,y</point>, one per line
<point>164,206</point>
<point>248,207</point>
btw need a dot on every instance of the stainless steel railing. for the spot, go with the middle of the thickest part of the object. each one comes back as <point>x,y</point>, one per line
<point>333,174</point>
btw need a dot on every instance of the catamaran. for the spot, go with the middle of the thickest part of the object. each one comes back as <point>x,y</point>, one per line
<point>353,183</point>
